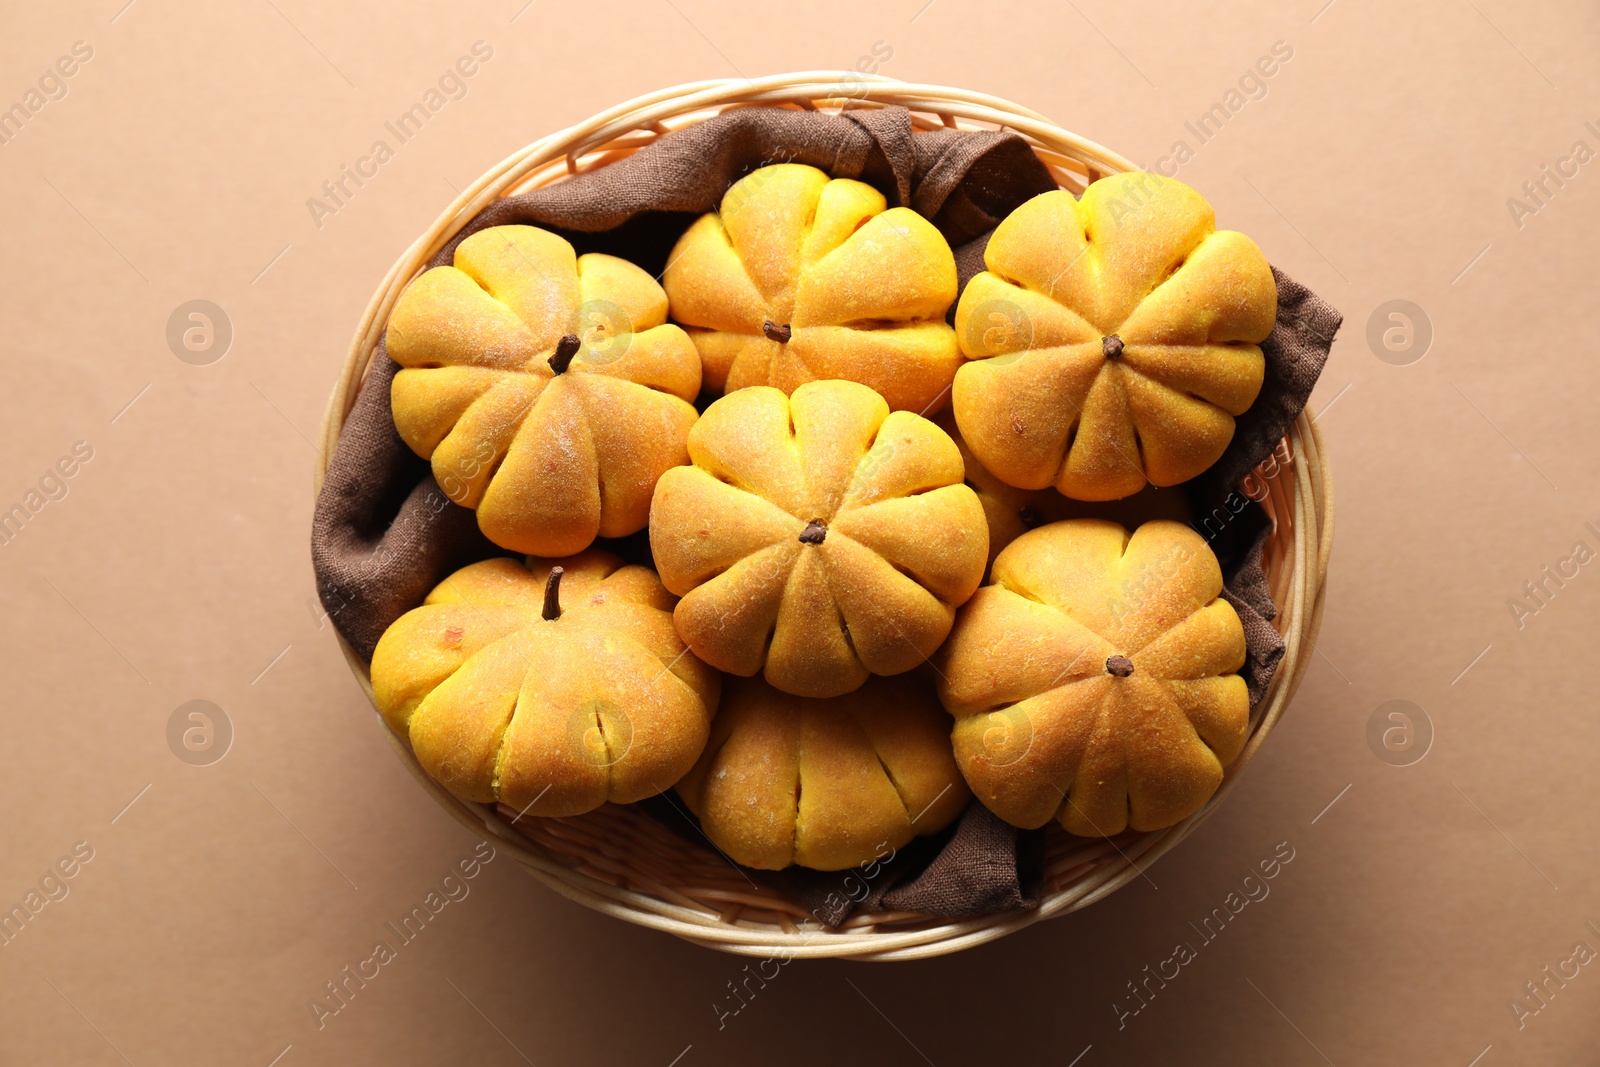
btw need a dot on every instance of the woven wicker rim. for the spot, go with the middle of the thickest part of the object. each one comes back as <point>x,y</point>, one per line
<point>621,862</point>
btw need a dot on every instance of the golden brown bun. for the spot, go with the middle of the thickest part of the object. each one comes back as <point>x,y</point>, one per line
<point>827,784</point>
<point>903,541</point>
<point>1138,325</point>
<point>1012,512</point>
<point>862,291</point>
<point>1050,724</point>
<point>550,716</point>
<point>550,461</point>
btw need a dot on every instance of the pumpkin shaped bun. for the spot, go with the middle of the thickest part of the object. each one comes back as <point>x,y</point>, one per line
<point>1094,681</point>
<point>552,687</point>
<point>546,387</point>
<point>827,784</point>
<point>816,536</point>
<point>1112,340</point>
<point>802,277</point>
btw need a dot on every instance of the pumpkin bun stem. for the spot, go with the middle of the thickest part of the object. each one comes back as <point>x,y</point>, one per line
<point>774,332</point>
<point>566,348</point>
<point>552,594</point>
<point>1111,346</point>
<point>1121,666</point>
<point>814,533</point>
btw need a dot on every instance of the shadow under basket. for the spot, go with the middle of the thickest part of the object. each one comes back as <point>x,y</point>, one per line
<point>621,861</point>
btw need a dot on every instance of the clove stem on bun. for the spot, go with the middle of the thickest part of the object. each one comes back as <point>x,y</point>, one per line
<point>552,594</point>
<point>566,348</point>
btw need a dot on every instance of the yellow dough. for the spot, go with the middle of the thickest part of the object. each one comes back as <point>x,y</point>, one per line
<point>1095,680</point>
<point>803,277</point>
<point>826,784</point>
<point>1112,340</point>
<point>552,716</point>
<point>547,388</point>
<point>816,537</point>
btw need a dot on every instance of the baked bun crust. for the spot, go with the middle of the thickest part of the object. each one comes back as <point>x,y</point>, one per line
<point>1112,340</point>
<point>554,446</point>
<point>550,716</point>
<point>1095,680</point>
<point>816,538</point>
<point>826,784</point>
<point>801,277</point>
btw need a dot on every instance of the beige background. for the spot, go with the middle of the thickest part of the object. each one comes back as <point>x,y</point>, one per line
<point>1377,167</point>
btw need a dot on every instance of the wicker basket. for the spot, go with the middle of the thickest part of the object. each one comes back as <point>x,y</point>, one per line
<point>622,862</point>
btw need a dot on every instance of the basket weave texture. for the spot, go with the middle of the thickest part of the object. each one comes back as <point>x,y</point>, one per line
<point>621,861</point>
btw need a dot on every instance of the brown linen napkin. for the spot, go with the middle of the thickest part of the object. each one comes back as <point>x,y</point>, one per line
<point>383,534</point>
